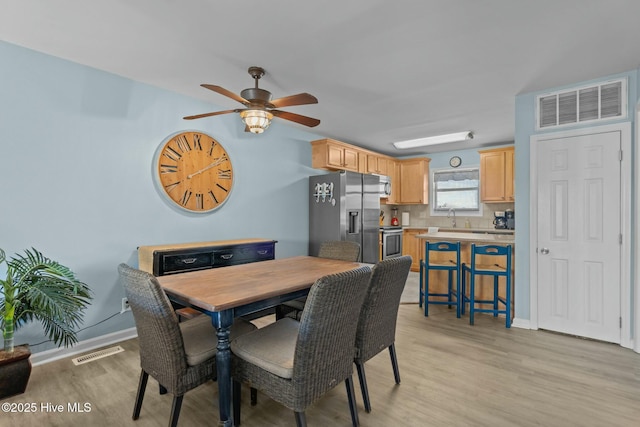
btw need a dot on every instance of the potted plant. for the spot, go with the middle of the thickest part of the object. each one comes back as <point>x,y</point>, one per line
<point>36,288</point>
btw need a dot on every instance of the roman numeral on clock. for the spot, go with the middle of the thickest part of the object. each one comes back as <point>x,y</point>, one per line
<point>213,145</point>
<point>199,201</point>
<point>185,197</point>
<point>224,174</point>
<point>170,187</point>
<point>172,154</point>
<point>168,168</point>
<point>213,196</point>
<point>196,141</point>
<point>183,143</point>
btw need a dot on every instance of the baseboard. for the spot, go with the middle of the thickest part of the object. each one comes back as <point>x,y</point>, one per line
<point>521,323</point>
<point>82,346</point>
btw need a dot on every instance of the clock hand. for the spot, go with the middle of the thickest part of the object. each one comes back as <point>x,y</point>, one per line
<point>206,168</point>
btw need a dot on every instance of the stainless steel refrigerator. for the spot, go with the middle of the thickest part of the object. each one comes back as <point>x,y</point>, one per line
<point>345,206</point>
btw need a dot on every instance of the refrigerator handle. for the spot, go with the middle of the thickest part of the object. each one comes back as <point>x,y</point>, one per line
<point>354,222</point>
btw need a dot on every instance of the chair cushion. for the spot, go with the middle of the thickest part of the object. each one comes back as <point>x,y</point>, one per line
<point>271,348</point>
<point>200,340</point>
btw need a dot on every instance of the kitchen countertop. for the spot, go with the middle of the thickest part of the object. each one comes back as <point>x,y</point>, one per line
<point>464,230</point>
<point>468,237</point>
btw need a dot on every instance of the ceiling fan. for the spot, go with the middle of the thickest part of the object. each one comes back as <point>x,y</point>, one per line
<point>260,107</point>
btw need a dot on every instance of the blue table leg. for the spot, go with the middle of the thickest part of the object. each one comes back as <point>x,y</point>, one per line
<point>222,322</point>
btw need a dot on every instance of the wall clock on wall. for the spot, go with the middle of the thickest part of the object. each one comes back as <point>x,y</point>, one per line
<point>455,161</point>
<point>194,171</point>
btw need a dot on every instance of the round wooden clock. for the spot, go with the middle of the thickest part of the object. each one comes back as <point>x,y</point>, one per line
<point>194,171</point>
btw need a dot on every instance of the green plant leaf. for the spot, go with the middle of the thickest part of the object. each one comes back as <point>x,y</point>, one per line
<point>41,289</point>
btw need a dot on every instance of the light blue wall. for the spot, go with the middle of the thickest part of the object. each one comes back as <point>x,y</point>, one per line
<point>76,150</point>
<point>469,158</point>
<point>524,130</point>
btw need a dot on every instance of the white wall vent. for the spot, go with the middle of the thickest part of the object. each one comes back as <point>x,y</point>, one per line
<point>90,357</point>
<point>604,101</point>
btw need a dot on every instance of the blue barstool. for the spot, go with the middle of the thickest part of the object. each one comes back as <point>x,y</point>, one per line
<point>449,265</point>
<point>496,268</point>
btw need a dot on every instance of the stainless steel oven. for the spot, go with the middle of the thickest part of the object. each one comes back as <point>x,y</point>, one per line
<point>391,242</point>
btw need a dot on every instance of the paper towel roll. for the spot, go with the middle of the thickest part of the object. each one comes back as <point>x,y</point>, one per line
<point>405,218</point>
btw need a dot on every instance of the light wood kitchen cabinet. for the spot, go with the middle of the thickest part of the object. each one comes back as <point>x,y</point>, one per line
<point>377,164</point>
<point>409,178</point>
<point>413,246</point>
<point>334,155</point>
<point>497,175</point>
<point>414,181</point>
<point>510,176</point>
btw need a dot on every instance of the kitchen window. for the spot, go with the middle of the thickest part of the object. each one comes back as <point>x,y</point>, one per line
<point>457,189</point>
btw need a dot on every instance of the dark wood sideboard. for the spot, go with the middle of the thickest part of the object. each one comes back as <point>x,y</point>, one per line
<point>161,260</point>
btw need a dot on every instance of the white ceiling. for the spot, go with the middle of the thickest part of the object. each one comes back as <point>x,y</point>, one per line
<point>382,70</point>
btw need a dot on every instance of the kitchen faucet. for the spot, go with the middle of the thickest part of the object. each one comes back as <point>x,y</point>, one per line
<point>453,220</point>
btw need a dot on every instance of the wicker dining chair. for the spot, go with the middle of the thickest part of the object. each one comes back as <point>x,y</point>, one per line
<point>343,250</point>
<point>179,355</point>
<point>297,362</point>
<point>377,323</point>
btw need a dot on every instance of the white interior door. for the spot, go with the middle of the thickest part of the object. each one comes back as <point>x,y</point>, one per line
<point>579,232</point>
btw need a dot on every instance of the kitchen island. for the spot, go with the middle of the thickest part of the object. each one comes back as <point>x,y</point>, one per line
<point>416,238</point>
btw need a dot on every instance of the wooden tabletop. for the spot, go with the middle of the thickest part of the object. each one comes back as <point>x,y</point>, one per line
<point>219,289</point>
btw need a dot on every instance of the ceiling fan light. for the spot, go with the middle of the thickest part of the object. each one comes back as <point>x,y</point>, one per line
<point>257,121</point>
<point>432,140</point>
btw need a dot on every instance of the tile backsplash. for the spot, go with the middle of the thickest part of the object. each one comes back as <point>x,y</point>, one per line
<point>420,216</point>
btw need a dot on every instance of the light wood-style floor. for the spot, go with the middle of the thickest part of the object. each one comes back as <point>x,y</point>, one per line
<point>452,374</point>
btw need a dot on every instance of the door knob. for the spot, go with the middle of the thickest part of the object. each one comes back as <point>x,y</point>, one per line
<point>544,251</point>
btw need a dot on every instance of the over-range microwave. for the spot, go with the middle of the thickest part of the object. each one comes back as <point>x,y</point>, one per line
<point>385,186</point>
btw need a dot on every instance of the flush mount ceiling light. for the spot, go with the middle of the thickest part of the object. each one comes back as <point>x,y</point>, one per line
<point>432,140</point>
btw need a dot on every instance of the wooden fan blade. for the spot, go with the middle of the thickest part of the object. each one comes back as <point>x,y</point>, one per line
<point>199,116</point>
<point>225,92</point>
<point>303,120</point>
<point>299,99</point>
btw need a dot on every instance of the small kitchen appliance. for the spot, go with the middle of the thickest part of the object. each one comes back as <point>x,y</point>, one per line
<point>500,220</point>
<point>394,217</point>
<point>511,219</point>
<point>385,186</point>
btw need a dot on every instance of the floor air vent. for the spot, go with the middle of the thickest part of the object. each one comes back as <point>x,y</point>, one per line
<point>90,357</point>
<point>604,101</point>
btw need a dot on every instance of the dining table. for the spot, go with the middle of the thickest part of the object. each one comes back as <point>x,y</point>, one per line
<point>239,290</point>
